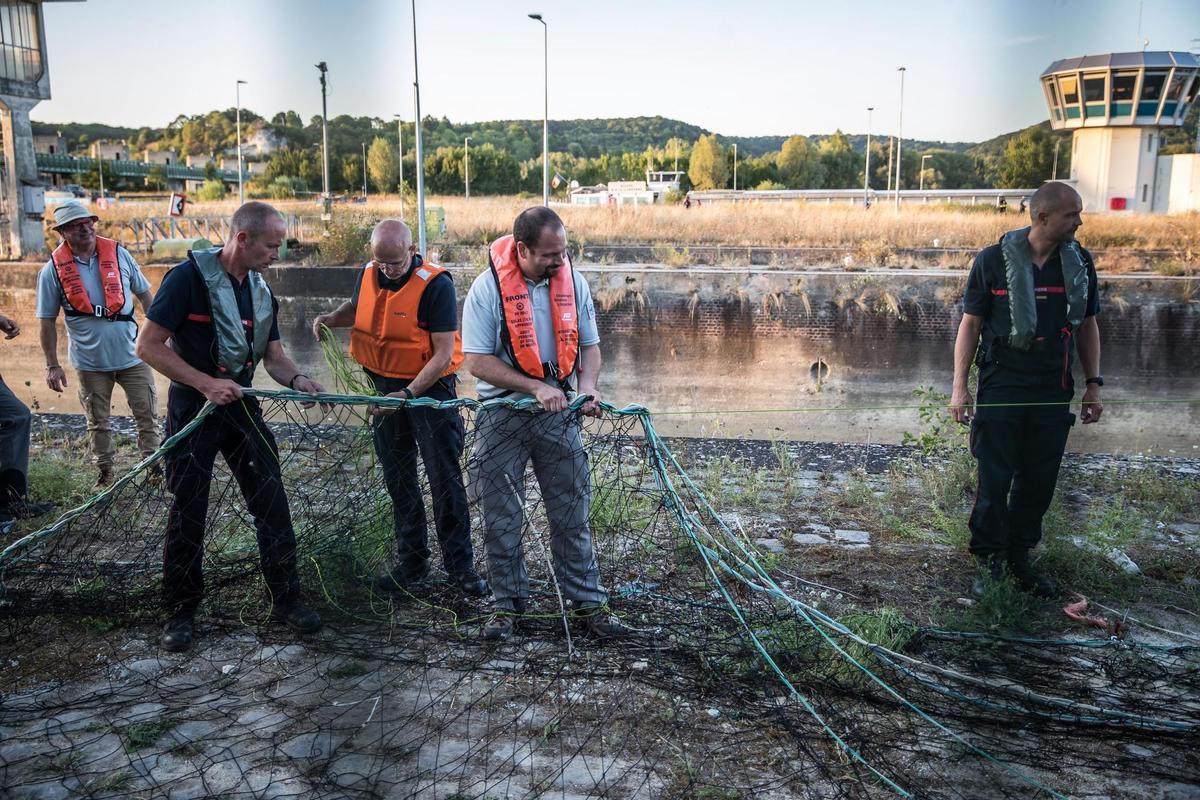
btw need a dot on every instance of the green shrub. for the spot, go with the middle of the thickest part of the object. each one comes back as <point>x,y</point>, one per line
<point>212,190</point>
<point>346,242</point>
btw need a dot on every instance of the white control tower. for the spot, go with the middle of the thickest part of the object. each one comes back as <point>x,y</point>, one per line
<point>1117,104</point>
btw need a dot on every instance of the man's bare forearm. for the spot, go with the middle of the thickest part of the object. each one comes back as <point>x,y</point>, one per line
<point>48,335</point>
<point>589,368</point>
<point>964,349</point>
<point>491,369</point>
<point>342,316</point>
<point>1088,344</point>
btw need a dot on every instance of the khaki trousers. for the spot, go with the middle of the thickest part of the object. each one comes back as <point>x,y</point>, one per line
<point>95,395</point>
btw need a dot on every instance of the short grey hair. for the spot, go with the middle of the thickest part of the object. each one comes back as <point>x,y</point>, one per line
<point>253,217</point>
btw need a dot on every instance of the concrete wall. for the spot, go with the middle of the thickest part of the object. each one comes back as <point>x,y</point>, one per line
<point>1177,186</point>
<point>1109,163</point>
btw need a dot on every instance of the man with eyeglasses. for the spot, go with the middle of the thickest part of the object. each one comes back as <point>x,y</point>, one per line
<point>93,280</point>
<point>529,331</point>
<point>403,317</point>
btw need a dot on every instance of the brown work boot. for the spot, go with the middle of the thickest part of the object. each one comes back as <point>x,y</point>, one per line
<point>499,626</point>
<point>105,478</point>
<point>598,621</point>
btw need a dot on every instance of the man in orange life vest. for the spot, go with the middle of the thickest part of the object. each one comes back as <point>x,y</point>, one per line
<point>404,319</point>
<point>529,331</point>
<point>93,280</point>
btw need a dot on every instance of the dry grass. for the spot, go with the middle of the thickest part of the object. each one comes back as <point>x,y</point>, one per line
<point>871,236</point>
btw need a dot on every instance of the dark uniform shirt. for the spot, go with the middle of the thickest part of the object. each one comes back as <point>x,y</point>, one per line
<point>182,307</point>
<point>437,312</point>
<point>988,275</point>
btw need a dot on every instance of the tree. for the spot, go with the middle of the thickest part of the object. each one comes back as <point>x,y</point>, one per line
<point>800,164</point>
<point>1027,160</point>
<point>707,168</point>
<point>381,164</point>
<point>157,176</point>
<point>211,190</point>
<point>841,164</point>
<point>352,172</point>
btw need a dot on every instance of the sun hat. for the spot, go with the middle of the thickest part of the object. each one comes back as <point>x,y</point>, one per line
<point>70,211</point>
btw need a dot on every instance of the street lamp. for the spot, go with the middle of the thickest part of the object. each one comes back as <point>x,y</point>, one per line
<point>927,155</point>
<point>400,148</point>
<point>364,152</point>
<point>735,166</point>
<point>420,154</point>
<point>467,165</point>
<point>241,184</point>
<point>900,138</point>
<point>546,115</point>
<point>867,166</point>
<point>326,200</point>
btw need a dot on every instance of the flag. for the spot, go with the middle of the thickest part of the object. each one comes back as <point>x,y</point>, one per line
<point>557,180</point>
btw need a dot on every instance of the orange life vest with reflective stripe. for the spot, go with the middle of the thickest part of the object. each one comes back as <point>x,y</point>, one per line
<point>386,338</point>
<point>517,331</point>
<point>80,305</point>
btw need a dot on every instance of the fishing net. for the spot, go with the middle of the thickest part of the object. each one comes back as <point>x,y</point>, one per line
<point>731,683</point>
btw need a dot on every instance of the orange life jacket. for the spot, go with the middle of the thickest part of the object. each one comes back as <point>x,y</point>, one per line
<point>78,302</point>
<point>386,338</point>
<point>517,332</point>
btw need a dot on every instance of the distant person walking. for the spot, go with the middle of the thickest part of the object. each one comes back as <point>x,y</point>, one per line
<point>93,281</point>
<point>15,423</point>
<point>1031,301</point>
<point>404,315</point>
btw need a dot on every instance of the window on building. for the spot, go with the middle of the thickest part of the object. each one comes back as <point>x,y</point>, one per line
<point>1191,95</point>
<point>1093,89</point>
<point>1070,89</point>
<point>1145,191</point>
<point>20,47</point>
<point>1122,88</point>
<point>1176,90</point>
<point>1150,143</point>
<point>1152,85</point>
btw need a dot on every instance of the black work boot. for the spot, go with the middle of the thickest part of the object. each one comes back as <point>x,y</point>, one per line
<point>298,617</point>
<point>177,633</point>
<point>402,577</point>
<point>990,570</point>
<point>469,583</point>
<point>1027,577</point>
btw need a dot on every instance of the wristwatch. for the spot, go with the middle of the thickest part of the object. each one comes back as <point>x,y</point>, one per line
<point>1096,380</point>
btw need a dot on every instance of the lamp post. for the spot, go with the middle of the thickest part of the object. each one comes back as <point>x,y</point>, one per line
<point>241,182</point>
<point>735,166</point>
<point>420,166</point>
<point>867,165</point>
<point>900,138</point>
<point>467,165</point>
<point>927,155</point>
<point>364,152</point>
<point>546,115</point>
<point>326,200</point>
<point>400,149</point>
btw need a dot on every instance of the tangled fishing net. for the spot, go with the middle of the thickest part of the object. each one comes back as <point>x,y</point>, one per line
<point>730,685</point>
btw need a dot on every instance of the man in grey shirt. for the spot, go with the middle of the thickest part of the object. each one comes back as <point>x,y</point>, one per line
<point>93,280</point>
<point>529,331</point>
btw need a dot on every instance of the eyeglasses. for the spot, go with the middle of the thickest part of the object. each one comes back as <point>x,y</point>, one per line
<point>390,264</point>
<point>79,225</point>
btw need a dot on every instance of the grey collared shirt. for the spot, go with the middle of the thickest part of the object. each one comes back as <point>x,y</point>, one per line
<point>94,344</point>
<point>482,320</point>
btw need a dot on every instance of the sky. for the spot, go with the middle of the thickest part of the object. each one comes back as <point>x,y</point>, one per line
<point>758,67</point>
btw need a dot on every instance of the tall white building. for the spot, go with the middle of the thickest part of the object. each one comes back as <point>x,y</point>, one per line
<point>1117,104</point>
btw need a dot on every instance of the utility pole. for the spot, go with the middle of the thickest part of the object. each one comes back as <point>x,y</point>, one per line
<point>326,200</point>
<point>1054,169</point>
<point>420,152</point>
<point>891,141</point>
<point>867,166</point>
<point>364,152</point>
<point>241,182</point>
<point>735,166</point>
<point>400,149</point>
<point>900,138</point>
<point>467,165</point>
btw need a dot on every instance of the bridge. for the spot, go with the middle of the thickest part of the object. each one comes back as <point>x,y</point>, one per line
<point>56,164</point>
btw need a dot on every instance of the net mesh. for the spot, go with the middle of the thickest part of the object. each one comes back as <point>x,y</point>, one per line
<point>730,683</point>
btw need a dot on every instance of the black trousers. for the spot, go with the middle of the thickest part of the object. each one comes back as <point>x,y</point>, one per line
<point>15,424</point>
<point>238,432</point>
<point>438,436</point>
<point>1019,451</point>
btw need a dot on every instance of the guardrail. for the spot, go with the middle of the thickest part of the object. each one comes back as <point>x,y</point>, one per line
<point>855,196</point>
<point>143,233</point>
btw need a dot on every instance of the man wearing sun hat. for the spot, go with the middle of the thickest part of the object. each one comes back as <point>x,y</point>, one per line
<point>93,281</point>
